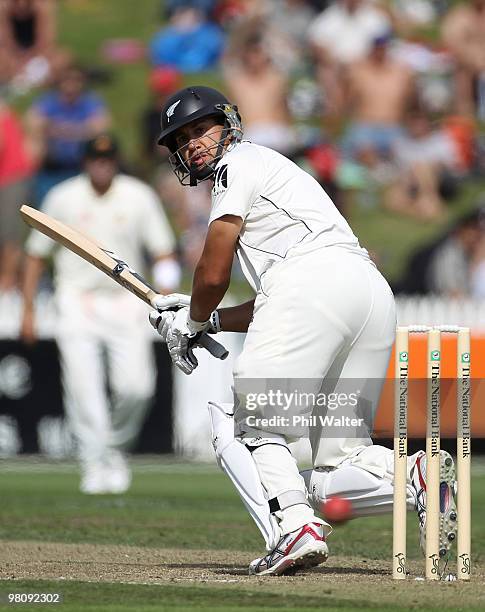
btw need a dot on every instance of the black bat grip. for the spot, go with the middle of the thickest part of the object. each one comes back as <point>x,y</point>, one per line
<point>215,348</point>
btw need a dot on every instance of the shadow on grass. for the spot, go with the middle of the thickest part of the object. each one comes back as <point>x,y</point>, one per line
<point>242,570</point>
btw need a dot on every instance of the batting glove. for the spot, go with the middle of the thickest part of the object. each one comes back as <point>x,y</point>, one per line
<point>172,301</point>
<point>180,333</point>
<point>162,321</point>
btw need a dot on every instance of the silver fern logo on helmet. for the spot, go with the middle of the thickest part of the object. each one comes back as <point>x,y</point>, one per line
<point>171,109</point>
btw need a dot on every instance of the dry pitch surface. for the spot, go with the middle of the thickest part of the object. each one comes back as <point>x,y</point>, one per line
<point>55,539</point>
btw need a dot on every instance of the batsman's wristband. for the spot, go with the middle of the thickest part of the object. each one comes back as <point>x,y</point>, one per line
<point>214,323</point>
<point>196,327</point>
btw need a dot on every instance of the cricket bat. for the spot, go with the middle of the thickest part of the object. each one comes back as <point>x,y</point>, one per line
<point>105,261</point>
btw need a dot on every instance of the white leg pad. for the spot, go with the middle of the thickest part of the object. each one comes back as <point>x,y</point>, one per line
<point>366,480</point>
<point>282,482</point>
<point>237,462</point>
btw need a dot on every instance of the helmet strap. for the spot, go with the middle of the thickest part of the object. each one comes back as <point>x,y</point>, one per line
<point>192,176</point>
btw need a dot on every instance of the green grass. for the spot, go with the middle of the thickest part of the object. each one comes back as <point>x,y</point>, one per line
<point>119,598</point>
<point>152,514</point>
<point>394,237</point>
<point>184,507</point>
<point>163,500</point>
<point>101,597</point>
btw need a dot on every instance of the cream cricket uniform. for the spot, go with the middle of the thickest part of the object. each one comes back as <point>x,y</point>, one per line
<point>322,310</point>
<point>96,316</point>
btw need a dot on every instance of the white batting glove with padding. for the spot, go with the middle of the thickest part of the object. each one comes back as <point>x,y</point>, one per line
<point>162,321</point>
<point>180,349</point>
<point>171,301</point>
<point>180,333</point>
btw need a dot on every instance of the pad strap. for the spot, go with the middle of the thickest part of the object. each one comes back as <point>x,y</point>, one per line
<point>287,499</point>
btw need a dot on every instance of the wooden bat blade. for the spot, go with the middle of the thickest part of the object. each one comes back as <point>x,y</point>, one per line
<point>105,261</point>
<point>91,252</point>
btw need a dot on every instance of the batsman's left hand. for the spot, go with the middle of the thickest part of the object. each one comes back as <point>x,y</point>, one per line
<point>177,330</point>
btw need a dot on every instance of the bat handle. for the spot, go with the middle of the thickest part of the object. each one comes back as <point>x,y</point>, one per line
<point>215,348</point>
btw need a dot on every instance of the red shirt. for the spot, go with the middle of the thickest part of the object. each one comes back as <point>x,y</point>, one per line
<point>15,162</point>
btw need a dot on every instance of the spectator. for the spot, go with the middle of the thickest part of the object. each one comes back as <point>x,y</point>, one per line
<point>207,7</point>
<point>162,82</point>
<point>96,316</point>
<point>28,50</point>
<point>260,90</point>
<point>451,265</point>
<point>293,18</point>
<point>342,34</point>
<point>15,172</point>
<point>410,15</point>
<point>477,272</point>
<point>428,162</point>
<point>344,31</point>
<point>379,91</point>
<point>231,13</point>
<point>188,43</point>
<point>59,124</point>
<point>463,32</point>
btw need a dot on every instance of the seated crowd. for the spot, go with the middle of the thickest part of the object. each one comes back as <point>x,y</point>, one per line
<point>380,101</point>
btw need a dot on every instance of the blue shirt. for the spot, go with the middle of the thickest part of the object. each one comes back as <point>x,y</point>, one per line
<point>66,134</point>
<point>190,50</point>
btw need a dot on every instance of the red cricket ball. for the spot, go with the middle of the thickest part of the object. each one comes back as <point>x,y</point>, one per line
<point>337,510</point>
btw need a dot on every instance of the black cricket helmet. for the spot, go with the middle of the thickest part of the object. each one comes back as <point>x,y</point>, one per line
<point>188,105</point>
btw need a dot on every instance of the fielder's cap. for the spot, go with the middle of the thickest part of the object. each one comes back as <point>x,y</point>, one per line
<point>103,145</point>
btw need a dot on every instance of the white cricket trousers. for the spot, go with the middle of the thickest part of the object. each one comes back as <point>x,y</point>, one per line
<point>100,334</point>
<point>326,315</point>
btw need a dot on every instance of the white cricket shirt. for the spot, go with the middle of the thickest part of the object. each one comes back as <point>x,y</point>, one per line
<point>128,220</point>
<point>348,36</point>
<point>284,209</point>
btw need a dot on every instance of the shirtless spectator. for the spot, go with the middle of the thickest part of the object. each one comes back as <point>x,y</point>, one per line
<point>340,35</point>
<point>379,91</point>
<point>427,161</point>
<point>59,124</point>
<point>260,90</point>
<point>463,32</point>
<point>29,54</point>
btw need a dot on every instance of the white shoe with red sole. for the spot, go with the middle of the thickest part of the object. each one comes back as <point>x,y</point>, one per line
<point>300,549</point>
<point>448,514</point>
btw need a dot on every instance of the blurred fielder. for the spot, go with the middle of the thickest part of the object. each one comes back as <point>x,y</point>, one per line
<point>323,316</point>
<point>98,321</point>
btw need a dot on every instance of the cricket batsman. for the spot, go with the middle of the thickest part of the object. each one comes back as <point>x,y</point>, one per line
<point>323,315</point>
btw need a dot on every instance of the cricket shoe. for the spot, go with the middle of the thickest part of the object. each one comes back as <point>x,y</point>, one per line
<point>93,480</point>
<point>448,514</point>
<point>300,549</point>
<point>117,473</point>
